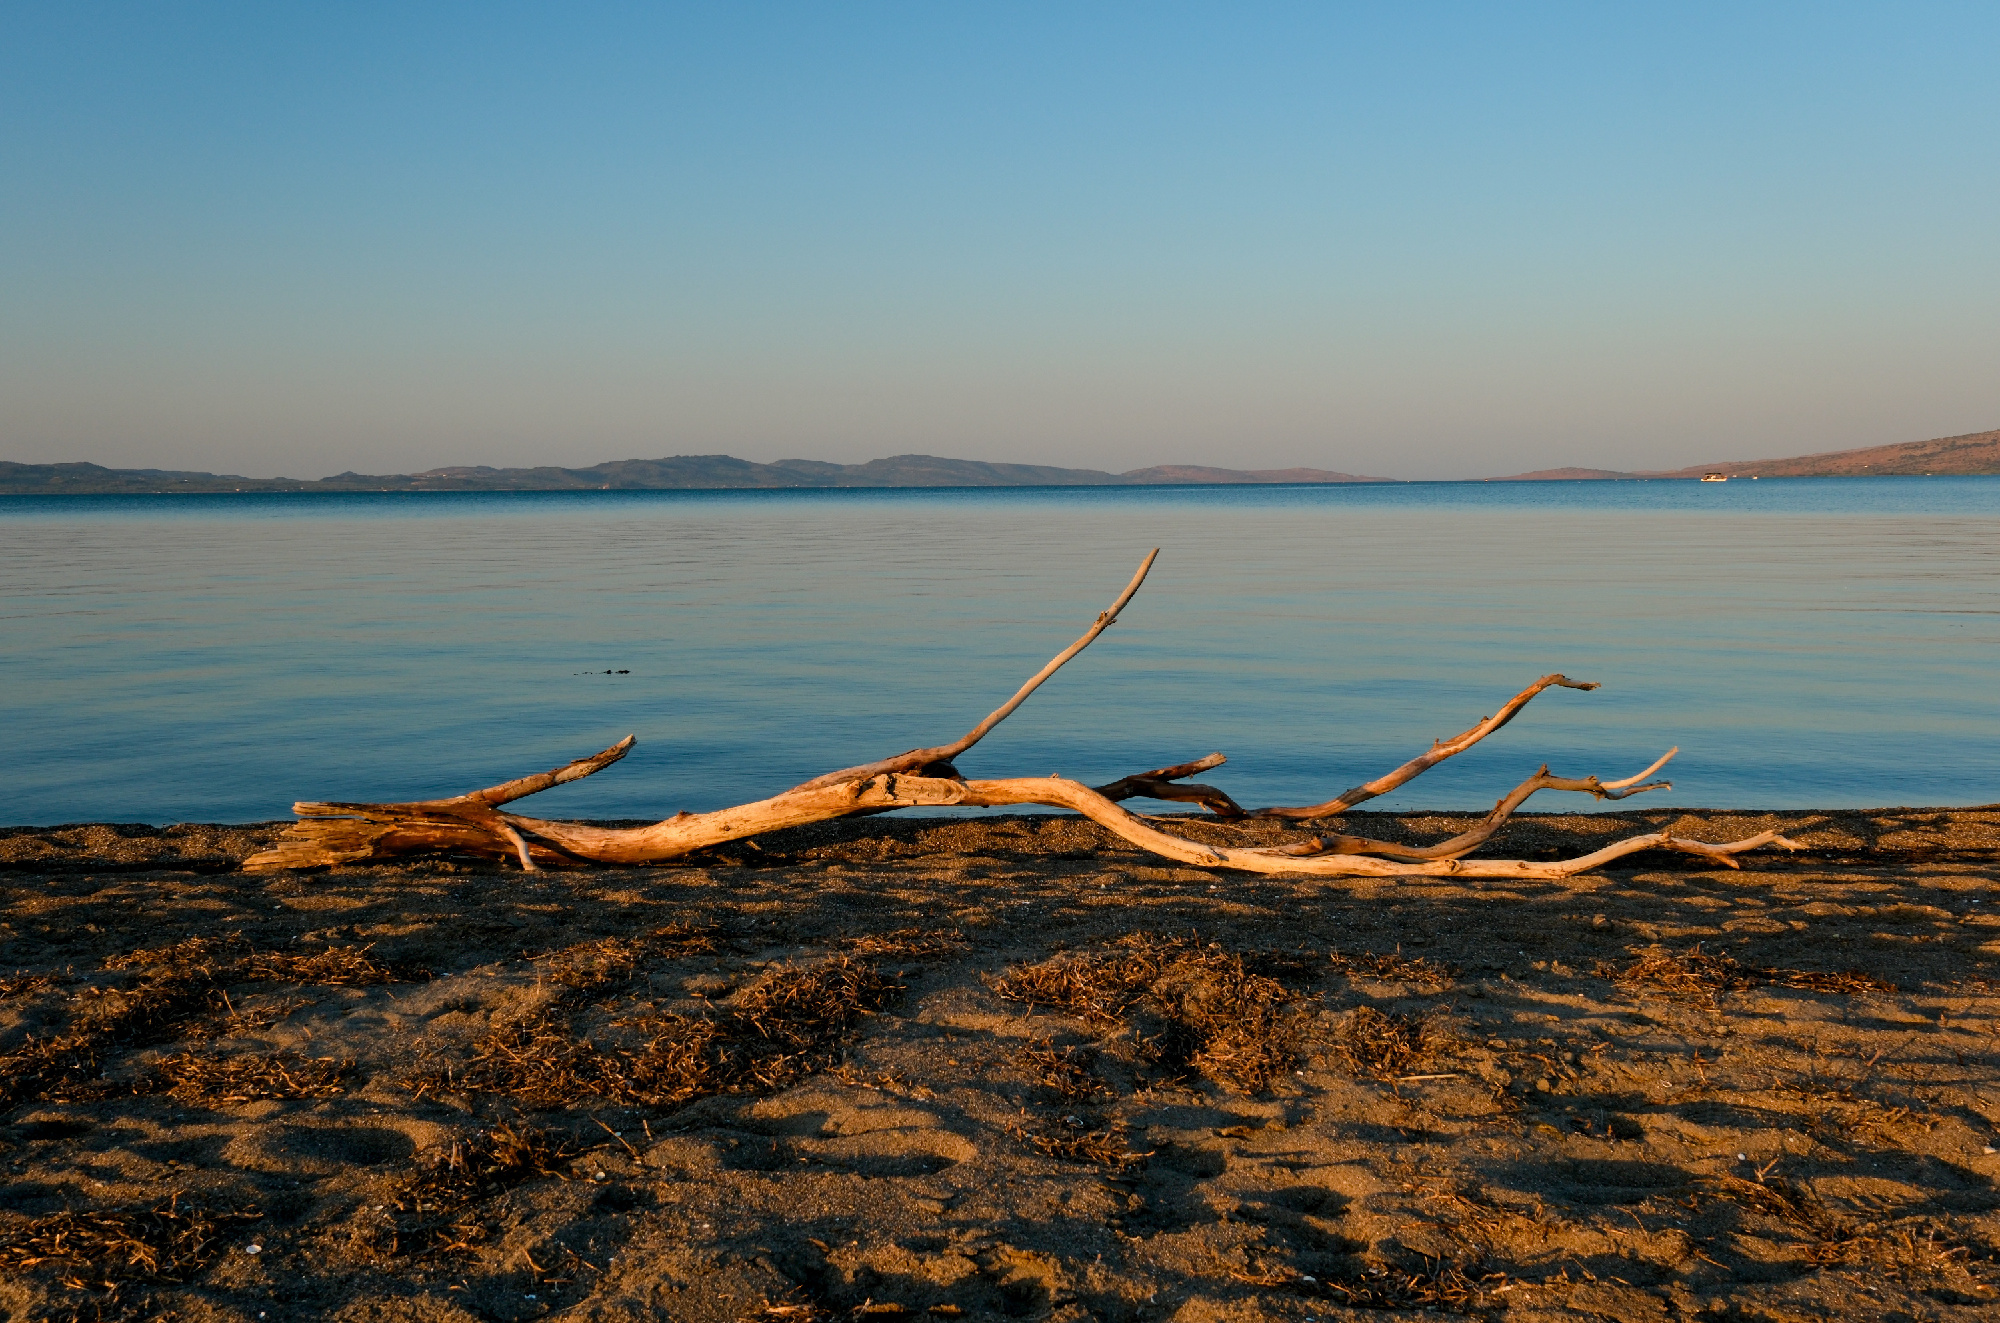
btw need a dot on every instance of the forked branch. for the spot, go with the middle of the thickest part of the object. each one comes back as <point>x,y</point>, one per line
<point>1429,758</point>
<point>473,823</point>
<point>1466,842</point>
<point>916,759</point>
<point>1160,784</point>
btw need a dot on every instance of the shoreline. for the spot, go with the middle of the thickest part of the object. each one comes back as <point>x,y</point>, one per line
<point>1884,834</point>
<point>1524,480</point>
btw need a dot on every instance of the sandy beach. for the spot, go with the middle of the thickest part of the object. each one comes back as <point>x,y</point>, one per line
<point>1004,1068</point>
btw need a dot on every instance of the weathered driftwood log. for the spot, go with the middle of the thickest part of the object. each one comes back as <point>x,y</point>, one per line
<point>926,778</point>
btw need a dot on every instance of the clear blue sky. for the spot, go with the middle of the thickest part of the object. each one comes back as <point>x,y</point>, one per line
<point>1416,240</point>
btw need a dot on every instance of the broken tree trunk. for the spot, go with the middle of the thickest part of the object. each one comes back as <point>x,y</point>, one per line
<point>330,834</point>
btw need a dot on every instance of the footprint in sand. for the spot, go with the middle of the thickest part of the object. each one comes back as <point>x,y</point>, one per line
<point>316,1150</point>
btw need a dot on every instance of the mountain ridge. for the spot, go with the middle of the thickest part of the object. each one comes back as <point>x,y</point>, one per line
<point>672,473</point>
<point>1967,454</point>
<point>1974,453</point>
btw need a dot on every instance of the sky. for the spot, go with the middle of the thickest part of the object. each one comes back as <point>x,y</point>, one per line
<point>1414,240</point>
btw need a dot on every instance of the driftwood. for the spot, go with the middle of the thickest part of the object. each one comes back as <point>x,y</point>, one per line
<point>332,834</point>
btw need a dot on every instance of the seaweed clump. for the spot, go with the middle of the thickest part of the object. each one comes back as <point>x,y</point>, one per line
<point>431,1210</point>
<point>1385,1045</point>
<point>1215,1012</point>
<point>104,1249</point>
<point>1698,978</point>
<point>785,1027</point>
<point>172,986</point>
<point>1077,1139</point>
<point>206,1080</point>
<point>592,969</point>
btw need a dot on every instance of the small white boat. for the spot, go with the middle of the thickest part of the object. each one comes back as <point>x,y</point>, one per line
<point>1715,477</point>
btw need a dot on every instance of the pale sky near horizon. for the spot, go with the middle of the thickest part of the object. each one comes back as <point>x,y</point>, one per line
<point>1415,240</point>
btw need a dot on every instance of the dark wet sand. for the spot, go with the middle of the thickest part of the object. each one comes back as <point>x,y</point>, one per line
<point>1550,1141</point>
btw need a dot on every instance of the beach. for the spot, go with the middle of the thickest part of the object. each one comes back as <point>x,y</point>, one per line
<point>1005,1068</point>
<point>607,614</point>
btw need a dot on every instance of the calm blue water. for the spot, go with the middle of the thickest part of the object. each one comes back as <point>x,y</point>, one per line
<point>1806,643</point>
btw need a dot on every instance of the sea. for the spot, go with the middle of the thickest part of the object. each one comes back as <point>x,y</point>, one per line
<point>1805,643</point>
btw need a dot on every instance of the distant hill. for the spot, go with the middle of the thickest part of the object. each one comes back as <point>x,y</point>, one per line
<point>677,473</point>
<point>1977,452</point>
<point>1973,453</point>
<point>96,480</point>
<point>1199,475</point>
<point>1565,475</point>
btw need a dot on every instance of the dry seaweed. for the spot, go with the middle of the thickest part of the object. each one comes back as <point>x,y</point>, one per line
<point>1095,988</point>
<point>1695,977</point>
<point>778,1031</point>
<point>912,943</point>
<point>1102,986</point>
<point>1078,1139</point>
<point>1217,1017</point>
<point>103,1249</point>
<point>205,1080</point>
<point>781,1029</point>
<point>1235,1027</point>
<point>1434,1286</point>
<point>330,967</point>
<point>1794,1205</point>
<point>54,1068</point>
<point>192,956</point>
<point>595,968</point>
<point>1066,1072</point>
<point>1384,1045</point>
<point>808,1008</point>
<point>535,1061</point>
<point>250,1016</point>
<point>217,960</point>
<point>174,984</point>
<point>1913,1257</point>
<point>186,979</point>
<point>432,1207</point>
<point>1831,1102</point>
<point>1395,967</point>
<point>797,1311</point>
<point>147,1012</point>
<point>1829,1240</point>
<point>24,984</point>
<point>1846,983</point>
